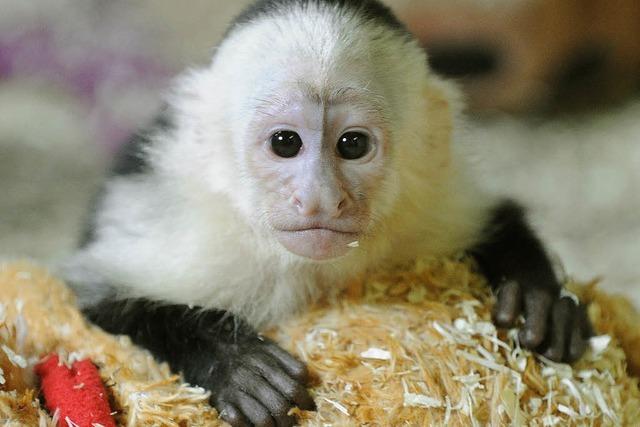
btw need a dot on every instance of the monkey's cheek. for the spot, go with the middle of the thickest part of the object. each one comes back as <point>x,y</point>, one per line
<point>317,244</point>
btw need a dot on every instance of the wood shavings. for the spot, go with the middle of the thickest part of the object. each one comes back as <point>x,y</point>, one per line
<point>551,420</point>
<point>14,358</point>
<point>145,393</point>
<point>376,353</point>
<point>448,364</point>
<point>487,363</point>
<point>511,406</point>
<point>420,400</point>
<point>599,344</point>
<point>567,411</point>
<point>336,405</point>
<point>416,347</point>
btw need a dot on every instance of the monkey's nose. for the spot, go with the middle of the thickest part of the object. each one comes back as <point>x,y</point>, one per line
<point>311,205</point>
<point>341,206</point>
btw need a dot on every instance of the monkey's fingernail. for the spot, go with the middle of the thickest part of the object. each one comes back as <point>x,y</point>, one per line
<point>553,354</point>
<point>503,319</point>
<point>529,338</point>
<point>576,349</point>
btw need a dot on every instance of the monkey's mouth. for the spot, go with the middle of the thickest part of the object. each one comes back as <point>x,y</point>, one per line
<point>317,242</point>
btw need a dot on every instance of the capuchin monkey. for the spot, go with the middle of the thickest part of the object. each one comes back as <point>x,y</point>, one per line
<point>316,145</point>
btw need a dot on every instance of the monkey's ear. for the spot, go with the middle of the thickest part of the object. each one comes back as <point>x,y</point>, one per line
<point>443,110</point>
<point>445,103</point>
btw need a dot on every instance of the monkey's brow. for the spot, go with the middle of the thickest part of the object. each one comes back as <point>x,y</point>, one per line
<point>270,104</point>
<point>340,95</point>
<point>349,95</point>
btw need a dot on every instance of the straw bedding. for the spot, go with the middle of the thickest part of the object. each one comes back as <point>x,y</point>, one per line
<point>411,346</point>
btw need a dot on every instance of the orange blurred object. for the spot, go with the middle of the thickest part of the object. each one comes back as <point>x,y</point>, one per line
<point>532,55</point>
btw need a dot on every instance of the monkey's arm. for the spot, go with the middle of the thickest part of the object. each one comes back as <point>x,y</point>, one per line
<point>521,274</point>
<point>252,380</point>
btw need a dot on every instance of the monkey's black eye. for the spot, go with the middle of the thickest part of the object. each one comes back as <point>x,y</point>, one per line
<point>353,145</point>
<point>286,144</point>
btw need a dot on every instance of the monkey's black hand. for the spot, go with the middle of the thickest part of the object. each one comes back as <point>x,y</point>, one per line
<point>521,274</point>
<point>253,382</point>
<point>555,326</point>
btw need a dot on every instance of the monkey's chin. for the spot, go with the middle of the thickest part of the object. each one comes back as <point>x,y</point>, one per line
<point>318,244</point>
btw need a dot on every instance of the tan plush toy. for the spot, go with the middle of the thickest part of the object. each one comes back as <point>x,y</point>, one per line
<point>413,346</point>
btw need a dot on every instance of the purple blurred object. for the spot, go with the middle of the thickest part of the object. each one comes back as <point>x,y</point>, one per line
<point>90,74</point>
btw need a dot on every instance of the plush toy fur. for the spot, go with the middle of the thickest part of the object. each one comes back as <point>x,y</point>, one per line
<point>412,346</point>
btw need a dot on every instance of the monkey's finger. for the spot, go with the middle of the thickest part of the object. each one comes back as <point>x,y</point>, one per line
<point>562,322</point>
<point>231,414</point>
<point>585,322</point>
<point>258,387</point>
<point>253,410</point>
<point>295,368</point>
<point>294,391</point>
<point>537,304</point>
<point>508,304</point>
<point>285,421</point>
<point>580,335</point>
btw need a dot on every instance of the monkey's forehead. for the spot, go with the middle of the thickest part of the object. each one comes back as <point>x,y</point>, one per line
<point>328,92</point>
<point>322,50</point>
<point>318,33</point>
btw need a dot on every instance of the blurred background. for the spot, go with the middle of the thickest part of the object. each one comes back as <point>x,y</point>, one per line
<point>552,88</point>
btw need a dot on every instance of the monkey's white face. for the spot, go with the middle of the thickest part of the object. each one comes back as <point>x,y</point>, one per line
<point>317,159</point>
<point>319,112</point>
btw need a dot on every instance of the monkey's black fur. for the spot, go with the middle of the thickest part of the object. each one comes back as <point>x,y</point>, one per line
<point>511,251</point>
<point>217,351</point>
<point>520,272</point>
<point>132,159</point>
<point>369,9</point>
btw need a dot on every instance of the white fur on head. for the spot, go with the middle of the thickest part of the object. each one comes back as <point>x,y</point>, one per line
<point>191,232</point>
